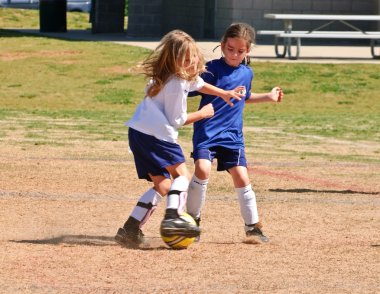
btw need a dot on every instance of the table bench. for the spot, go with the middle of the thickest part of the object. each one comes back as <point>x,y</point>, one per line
<point>291,37</point>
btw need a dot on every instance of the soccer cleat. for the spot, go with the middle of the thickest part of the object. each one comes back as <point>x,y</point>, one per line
<point>257,235</point>
<point>177,226</point>
<point>129,238</point>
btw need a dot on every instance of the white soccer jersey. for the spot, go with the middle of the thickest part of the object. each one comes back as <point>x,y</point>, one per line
<point>162,115</point>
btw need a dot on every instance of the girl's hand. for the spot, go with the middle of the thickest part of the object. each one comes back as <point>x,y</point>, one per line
<point>237,93</point>
<point>225,95</point>
<point>276,94</point>
<point>207,111</point>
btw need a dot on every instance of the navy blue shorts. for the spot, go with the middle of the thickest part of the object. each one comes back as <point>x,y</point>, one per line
<point>227,158</point>
<point>152,155</point>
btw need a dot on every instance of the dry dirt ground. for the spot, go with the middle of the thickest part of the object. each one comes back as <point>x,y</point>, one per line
<point>60,207</point>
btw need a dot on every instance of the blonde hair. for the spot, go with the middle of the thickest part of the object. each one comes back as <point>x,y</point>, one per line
<point>241,31</point>
<point>168,59</point>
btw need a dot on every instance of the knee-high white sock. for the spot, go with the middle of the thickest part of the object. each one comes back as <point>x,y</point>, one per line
<point>177,194</point>
<point>196,196</point>
<point>146,206</point>
<point>248,206</point>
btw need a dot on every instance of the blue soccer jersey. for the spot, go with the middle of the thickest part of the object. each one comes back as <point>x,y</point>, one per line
<point>225,128</point>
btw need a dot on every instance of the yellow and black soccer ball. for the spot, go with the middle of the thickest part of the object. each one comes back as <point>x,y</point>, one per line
<point>180,242</point>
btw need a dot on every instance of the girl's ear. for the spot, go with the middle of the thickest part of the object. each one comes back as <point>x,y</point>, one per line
<point>247,58</point>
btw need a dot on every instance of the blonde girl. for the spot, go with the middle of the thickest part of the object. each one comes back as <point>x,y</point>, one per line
<point>173,70</point>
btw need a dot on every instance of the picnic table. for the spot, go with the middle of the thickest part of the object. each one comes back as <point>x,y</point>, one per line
<point>292,38</point>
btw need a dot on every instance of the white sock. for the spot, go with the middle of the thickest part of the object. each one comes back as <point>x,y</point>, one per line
<point>146,206</point>
<point>248,206</point>
<point>196,196</point>
<point>178,194</point>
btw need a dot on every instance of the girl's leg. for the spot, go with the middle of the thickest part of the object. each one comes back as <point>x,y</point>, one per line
<point>131,235</point>
<point>247,202</point>
<point>177,196</point>
<point>197,188</point>
<point>148,202</point>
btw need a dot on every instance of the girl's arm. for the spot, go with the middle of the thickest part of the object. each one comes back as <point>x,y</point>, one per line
<point>273,96</point>
<point>225,95</point>
<point>205,112</point>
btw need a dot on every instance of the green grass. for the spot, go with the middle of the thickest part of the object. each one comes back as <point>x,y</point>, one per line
<point>96,86</point>
<point>30,19</point>
<point>334,100</point>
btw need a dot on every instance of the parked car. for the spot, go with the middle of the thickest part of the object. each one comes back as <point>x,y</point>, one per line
<point>79,5</point>
<point>72,5</point>
<point>23,4</point>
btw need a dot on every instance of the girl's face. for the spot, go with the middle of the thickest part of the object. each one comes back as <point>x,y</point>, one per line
<point>235,50</point>
<point>190,65</point>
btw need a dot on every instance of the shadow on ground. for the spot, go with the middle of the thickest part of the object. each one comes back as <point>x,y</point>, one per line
<point>73,240</point>
<point>90,241</point>
<point>323,191</point>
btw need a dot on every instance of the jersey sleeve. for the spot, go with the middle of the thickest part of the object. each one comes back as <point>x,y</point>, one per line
<point>197,84</point>
<point>175,106</point>
<point>250,77</point>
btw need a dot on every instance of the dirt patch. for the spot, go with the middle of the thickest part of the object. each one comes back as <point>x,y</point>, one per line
<point>61,206</point>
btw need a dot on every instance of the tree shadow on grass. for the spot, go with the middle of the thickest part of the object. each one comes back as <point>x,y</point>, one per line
<point>323,191</point>
<point>73,35</point>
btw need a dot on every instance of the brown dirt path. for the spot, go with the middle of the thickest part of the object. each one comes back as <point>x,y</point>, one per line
<point>61,206</point>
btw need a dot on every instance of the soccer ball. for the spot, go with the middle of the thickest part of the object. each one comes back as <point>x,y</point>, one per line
<point>180,242</point>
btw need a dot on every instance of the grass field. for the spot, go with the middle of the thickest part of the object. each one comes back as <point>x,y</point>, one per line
<point>67,181</point>
<point>55,78</point>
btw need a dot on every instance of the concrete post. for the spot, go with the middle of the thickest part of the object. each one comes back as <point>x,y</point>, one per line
<point>108,16</point>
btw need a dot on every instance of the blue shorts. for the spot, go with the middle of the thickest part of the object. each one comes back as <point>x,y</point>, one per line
<point>152,155</point>
<point>227,158</point>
